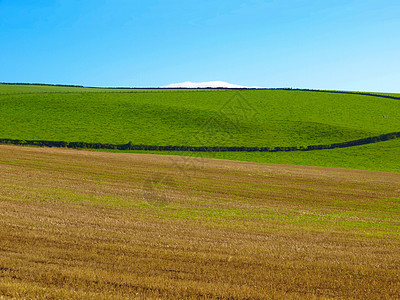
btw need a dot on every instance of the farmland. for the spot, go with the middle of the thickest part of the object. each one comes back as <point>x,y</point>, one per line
<point>383,156</point>
<point>83,225</point>
<point>116,224</point>
<point>262,118</point>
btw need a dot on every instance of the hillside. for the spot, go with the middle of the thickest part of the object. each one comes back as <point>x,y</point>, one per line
<point>84,225</point>
<point>263,118</point>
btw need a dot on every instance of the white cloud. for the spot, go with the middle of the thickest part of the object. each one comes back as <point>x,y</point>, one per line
<point>209,84</point>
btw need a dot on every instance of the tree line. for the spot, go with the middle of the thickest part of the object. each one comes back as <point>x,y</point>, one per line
<point>210,88</point>
<point>340,92</point>
<point>131,146</point>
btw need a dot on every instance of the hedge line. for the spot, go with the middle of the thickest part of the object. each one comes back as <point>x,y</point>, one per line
<point>209,88</point>
<point>40,84</point>
<point>341,92</point>
<point>130,146</point>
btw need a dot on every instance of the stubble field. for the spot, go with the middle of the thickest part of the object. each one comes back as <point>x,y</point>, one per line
<point>81,224</point>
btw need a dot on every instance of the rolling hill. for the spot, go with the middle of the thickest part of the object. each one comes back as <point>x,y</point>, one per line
<point>207,117</point>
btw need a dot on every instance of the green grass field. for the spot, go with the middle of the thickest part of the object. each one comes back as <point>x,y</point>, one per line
<point>267,118</point>
<point>382,156</point>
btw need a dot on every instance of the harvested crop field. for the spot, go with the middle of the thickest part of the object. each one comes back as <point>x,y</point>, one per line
<point>82,224</point>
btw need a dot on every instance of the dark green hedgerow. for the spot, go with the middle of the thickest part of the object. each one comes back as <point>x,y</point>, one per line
<point>131,146</point>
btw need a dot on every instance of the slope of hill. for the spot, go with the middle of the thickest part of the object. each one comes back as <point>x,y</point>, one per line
<point>383,156</point>
<point>264,118</point>
<point>117,226</point>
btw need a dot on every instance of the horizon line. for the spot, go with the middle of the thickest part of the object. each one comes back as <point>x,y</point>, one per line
<point>193,88</point>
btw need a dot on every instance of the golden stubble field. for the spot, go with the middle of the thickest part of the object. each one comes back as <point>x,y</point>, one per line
<point>83,225</point>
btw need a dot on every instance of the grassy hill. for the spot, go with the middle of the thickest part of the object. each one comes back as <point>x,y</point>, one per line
<point>264,118</point>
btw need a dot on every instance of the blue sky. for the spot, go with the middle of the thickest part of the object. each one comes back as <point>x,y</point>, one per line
<point>329,44</point>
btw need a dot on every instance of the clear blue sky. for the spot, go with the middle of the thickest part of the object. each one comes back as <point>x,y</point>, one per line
<point>324,44</point>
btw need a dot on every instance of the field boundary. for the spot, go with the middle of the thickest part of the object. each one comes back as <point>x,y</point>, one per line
<point>131,146</point>
<point>160,90</point>
<point>340,92</point>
